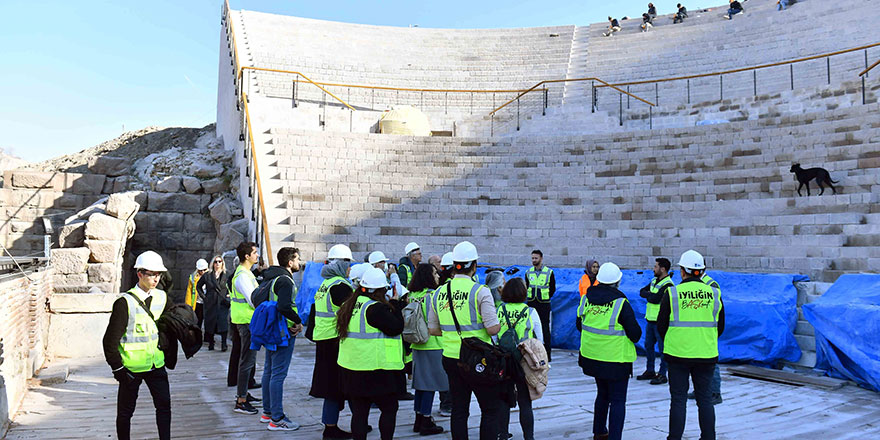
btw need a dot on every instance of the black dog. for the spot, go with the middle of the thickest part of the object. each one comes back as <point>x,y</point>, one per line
<point>805,176</point>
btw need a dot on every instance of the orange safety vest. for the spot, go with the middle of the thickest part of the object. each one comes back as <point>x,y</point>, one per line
<point>584,284</point>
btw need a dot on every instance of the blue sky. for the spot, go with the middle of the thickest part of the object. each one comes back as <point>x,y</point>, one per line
<point>73,73</point>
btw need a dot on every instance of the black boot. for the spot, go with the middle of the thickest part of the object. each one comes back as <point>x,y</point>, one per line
<point>429,427</point>
<point>334,433</point>
<point>417,426</point>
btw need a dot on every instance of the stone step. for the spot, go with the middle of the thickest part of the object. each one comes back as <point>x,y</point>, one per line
<point>807,359</point>
<point>804,328</point>
<point>806,343</point>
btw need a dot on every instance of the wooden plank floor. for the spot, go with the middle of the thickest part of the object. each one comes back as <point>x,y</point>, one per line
<point>85,407</point>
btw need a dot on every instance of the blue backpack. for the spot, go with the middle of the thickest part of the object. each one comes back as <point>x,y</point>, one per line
<point>268,327</point>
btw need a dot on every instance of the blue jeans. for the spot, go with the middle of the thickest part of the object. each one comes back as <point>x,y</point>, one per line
<point>782,5</point>
<point>274,372</point>
<point>732,12</point>
<point>424,402</point>
<point>610,393</point>
<point>330,412</point>
<point>701,374</point>
<point>652,336</point>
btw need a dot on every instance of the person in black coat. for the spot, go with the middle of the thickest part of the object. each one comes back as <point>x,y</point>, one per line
<point>611,377</point>
<point>215,297</point>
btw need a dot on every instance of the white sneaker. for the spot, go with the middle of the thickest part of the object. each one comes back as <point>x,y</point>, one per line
<point>284,424</point>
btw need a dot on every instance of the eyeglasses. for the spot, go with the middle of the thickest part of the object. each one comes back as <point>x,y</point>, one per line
<point>218,261</point>
<point>151,274</point>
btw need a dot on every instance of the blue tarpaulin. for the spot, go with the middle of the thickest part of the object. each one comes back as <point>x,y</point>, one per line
<point>847,322</point>
<point>761,309</point>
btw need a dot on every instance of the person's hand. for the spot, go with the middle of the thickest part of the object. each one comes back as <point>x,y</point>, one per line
<point>296,329</point>
<point>123,376</point>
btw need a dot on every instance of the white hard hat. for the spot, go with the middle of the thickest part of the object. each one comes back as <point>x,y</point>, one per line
<point>201,264</point>
<point>376,257</point>
<point>339,252</point>
<point>410,247</point>
<point>446,261</point>
<point>609,273</point>
<point>357,271</point>
<point>692,260</point>
<point>151,261</point>
<point>374,278</point>
<point>464,252</point>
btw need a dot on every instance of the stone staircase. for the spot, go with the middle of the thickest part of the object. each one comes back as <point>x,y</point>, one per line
<point>804,333</point>
<point>578,92</point>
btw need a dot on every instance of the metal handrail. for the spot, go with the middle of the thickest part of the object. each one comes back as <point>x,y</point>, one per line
<point>746,69</point>
<point>868,69</point>
<point>250,141</point>
<point>532,89</point>
<point>318,85</point>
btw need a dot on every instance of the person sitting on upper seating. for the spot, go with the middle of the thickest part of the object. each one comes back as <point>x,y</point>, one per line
<point>647,22</point>
<point>680,15</point>
<point>652,11</point>
<point>613,26</point>
<point>782,4</point>
<point>735,8</point>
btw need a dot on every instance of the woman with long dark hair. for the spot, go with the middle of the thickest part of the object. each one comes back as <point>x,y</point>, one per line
<point>211,288</point>
<point>428,373</point>
<point>371,353</point>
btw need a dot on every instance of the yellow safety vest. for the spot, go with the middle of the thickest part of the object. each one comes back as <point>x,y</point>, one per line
<point>693,321</point>
<point>652,310</point>
<point>240,312</point>
<point>602,337</point>
<point>139,345</point>
<point>707,280</point>
<point>539,284</point>
<point>422,297</point>
<point>366,348</point>
<point>520,316</point>
<point>408,272</point>
<point>191,293</point>
<point>325,310</point>
<point>464,298</point>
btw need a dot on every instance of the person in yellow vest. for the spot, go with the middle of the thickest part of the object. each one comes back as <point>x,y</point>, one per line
<point>428,374</point>
<point>515,315</point>
<point>609,331</point>
<point>330,296</point>
<point>241,311</point>
<point>192,297</point>
<point>131,346</point>
<point>541,284</point>
<point>371,353</point>
<point>690,320</point>
<point>654,293</point>
<point>475,311</point>
<point>409,262</point>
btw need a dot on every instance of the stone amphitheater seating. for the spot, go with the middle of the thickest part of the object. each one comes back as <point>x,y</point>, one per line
<point>724,189</point>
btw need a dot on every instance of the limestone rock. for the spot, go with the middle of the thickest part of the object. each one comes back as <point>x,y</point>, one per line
<point>79,303</point>
<point>214,186</point>
<point>240,226</point>
<point>201,169</point>
<point>72,234</point>
<point>122,206</point>
<point>103,251</point>
<point>85,183</point>
<point>105,227</point>
<point>173,202</point>
<point>227,241</point>
<point>70,260</point>
<point>170,184</point>
<point>121,184</point>
<point>221,210</point>
<point>102,272</point>
<point>32,179</point>
<point>67,280</point>
<point>191,184</point>
<point>160,221</point>
<point>109,165</point>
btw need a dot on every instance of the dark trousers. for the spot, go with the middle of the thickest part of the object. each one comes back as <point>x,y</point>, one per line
<point>126,400</point>
<point>247,360</point>
<point>526,416</point>
<point>543,309</point>
<point>360,412</point>
<point>701,374</point>
<point>445,401</point>
<point>235,358</point>
<point>652,336</point>
<point>210,338</point>
<point>610,394</point>
<point>200,314</point>
<point>492,406</point>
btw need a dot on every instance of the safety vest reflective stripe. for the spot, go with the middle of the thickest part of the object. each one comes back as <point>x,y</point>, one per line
<point>472,309</point>
<point>325,310</point>
<point>676,322</point>
<point>652,310</point>
<point>539,284</point>
<point>366,348</point>
<point>521,320</point>
<point>240,312</point>
<point>610,330</point>
<point>139,345</point>
<point>329,302</point>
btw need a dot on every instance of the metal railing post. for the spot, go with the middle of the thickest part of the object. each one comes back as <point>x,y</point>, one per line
<point>627,97</point>
<point>791,74</point>
<point>492,125</point>
<point>620,108</point>
<point>294,91</point>
<point>446,104</point>
<point>656,94</point>
<point>593,96</point>
<point>828,68</point>
<point>372,99</point>
<point>517,113</point>
<point>721,86</point>
<point>543,110</point>
<point>689,90</point>
<point>651,117</point>
<point>755,82</point>
<point>863,88</point>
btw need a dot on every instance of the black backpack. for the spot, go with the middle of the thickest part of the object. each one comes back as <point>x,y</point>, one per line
<point>479,362</point>
<point>509,341</point>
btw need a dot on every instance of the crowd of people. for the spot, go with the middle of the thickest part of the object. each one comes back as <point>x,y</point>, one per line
<point>734,8</point>
<point>366,322</point>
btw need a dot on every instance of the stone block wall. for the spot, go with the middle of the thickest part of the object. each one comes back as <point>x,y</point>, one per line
<point>23,332</point>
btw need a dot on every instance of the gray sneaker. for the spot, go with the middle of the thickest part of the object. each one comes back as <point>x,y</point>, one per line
<point>284,424</point>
